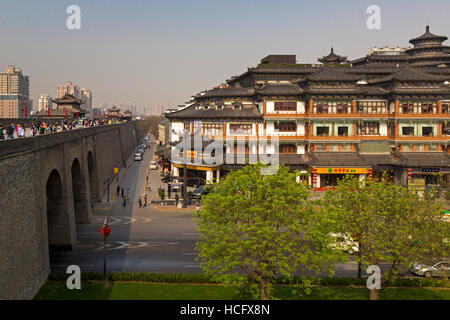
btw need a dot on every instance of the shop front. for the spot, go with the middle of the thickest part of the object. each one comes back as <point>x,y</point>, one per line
<point>324,178</point>
<point>207,173</point>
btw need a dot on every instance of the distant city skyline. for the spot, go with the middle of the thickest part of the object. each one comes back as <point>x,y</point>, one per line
<point>170,50</point>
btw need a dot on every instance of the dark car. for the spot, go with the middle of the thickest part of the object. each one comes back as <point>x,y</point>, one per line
<point>195,182</point>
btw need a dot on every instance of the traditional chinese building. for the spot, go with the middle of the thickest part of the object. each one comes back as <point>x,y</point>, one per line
<point>67,107</point>
<point>337,118</point>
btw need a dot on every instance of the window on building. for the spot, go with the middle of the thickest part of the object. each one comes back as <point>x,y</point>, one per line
<point>420,147</point>
<point>406,147</point>
<point>288,148</point>
<point>407,108</point>
<point>212,129</point>
<point>346,147</point>
<point>321,107</point>
<point>369,128</point>
<point>323,131</point>
<point>343,131</point>
<point>407,131</point>
<point>372,107</point>
<point>286,126</point>
<point>237,128</point>
<point>445,108</point>
<point>333,147</point>
<point>427,108</point>
<point>427,131</point>
<point>285,106</point>
<point>319,147</point>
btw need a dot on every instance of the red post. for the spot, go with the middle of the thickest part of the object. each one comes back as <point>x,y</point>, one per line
<point>48,112</point>
<point>66,113</point>
<point>26,111</point>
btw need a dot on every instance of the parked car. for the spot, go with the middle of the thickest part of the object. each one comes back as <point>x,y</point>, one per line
<point>439,269</point>
<point>345,243</point>
<point>138,156</point>
<point>195,182</point>
<point>153,165</point>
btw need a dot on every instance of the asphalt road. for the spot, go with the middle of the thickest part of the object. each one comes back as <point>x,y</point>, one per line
<point>143,239</point>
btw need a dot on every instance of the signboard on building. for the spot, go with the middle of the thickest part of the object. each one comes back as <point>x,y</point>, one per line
<point>430,170</point>
<point>191,154</point>
<point>416,184</point>
<point>342,170</point>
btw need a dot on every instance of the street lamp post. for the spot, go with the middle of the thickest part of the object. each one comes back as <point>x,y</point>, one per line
<point>184,180</point>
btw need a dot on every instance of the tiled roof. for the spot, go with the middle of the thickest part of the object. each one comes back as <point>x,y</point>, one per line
<point>68,99</point>
<point>247,111</point>
<point>407,73</point>
<point>331,74</point>
<point>425,159</point>
<point>428,36</point>
<point>279,89</point>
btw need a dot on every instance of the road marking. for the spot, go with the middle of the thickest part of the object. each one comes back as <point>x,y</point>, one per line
<point>131,220</point>
<point>116,220</point>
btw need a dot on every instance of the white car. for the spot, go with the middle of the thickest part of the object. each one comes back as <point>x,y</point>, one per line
<point>440,269</point>
<point>345,243</point>
<point>153,165</point>
<point>138,157</point>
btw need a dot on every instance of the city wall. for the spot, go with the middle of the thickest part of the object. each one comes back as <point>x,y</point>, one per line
<point>47,184</point>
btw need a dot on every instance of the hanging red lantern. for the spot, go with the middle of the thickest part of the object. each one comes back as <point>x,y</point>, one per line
<point>409,173</point>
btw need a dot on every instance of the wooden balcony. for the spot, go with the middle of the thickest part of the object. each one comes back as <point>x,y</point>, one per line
<point>278,115</point>
<point>422,138</point>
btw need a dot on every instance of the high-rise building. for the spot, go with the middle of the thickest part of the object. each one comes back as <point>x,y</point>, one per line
<point>74,90</point>
<point>14,93</point>
<point>87,96</point>
<point>45,102</point>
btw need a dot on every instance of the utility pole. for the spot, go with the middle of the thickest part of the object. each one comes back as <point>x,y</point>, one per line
<point>184,180</point>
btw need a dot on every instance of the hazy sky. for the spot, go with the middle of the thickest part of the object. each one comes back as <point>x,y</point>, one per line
<point>165,51</point>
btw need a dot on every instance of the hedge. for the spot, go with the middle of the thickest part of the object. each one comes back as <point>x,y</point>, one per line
<point>201,278</point>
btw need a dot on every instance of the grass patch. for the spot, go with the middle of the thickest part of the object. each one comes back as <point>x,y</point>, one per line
<point>96,290</point>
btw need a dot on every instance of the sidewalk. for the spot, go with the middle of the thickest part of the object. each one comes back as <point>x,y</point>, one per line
<point>114,181</point>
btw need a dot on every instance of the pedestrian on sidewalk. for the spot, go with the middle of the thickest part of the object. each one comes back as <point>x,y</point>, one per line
<point>176,199</point>
<point>140,202</point>
<point>122,193</point>
<point>145,200</point>
<point>118,190</point>
<point>125,202</point>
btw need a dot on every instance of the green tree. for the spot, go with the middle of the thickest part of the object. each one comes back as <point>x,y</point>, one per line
<point>391,223</point>
<point>264,226</point>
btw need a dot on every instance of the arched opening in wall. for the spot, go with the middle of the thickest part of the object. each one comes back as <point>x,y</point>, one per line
<point>58,224</point>
<point>79,197</point>
<point>93,179</point>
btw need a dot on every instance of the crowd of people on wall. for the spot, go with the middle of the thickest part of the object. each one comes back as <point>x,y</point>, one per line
<point>18,130</point>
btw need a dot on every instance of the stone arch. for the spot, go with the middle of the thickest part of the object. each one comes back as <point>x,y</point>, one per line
<point>58,222</point>
<point>93,177</point>
<point>80,205</point>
